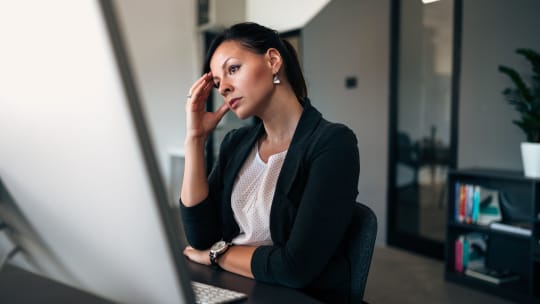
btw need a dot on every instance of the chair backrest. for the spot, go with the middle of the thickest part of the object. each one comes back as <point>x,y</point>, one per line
<point>361,237</point>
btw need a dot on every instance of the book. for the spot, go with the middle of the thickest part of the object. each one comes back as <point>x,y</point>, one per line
<point>475,204</point>
<point>469,204</point>
<point>457,194</point>
<point>489,209</point>
<point>461,199</point>
<point>469,250</point>
<point>458,254</point>
<point>520,228</point>
<point>491,275</point>
<point>474,249</point>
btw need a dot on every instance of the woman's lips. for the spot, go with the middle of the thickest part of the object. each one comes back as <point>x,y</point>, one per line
<point>233,103</point>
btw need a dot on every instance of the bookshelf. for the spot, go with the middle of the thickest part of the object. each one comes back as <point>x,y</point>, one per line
<point>515,250</point>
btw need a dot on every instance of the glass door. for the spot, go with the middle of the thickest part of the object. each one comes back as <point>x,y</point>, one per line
<point>422,145</point>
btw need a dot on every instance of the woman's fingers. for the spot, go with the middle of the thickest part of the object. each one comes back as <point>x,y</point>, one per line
<point>203,79</point>
<point>205,91</point>
<point>199,92</point>
<point>200,121</point>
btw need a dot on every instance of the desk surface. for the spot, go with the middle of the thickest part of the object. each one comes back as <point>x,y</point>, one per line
<point>257,292</point>
<point>20,286</point>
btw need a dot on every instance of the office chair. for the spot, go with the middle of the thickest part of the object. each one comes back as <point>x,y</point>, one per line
<point>361,242</point>
<point>408,154</point>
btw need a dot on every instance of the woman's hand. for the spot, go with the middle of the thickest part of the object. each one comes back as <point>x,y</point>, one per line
<point>200,122</point>
<point>198,256</point>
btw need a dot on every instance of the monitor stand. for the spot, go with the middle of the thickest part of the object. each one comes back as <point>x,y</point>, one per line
<point>16,249</point>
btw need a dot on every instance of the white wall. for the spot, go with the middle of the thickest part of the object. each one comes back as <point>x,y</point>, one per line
<point>492,30</point>
<point>165,51</point>
<point>351,38</point>
<point>283,15</point>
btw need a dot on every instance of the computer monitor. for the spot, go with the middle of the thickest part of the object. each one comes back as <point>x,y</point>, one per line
<point>76,157</point>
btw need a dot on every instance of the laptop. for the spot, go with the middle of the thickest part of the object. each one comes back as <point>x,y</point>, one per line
<point>78,161</point>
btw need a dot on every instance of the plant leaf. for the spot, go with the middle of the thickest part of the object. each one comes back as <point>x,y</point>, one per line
<point>518,82</point>
<point>525,99</point>
<point>533,57</point>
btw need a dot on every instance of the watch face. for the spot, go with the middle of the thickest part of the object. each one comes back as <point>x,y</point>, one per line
<point>219,246</point>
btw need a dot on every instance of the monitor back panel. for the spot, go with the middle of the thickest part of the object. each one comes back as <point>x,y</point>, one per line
<point>71,158</point>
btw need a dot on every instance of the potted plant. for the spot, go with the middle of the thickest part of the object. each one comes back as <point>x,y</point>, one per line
<point>526,100</point>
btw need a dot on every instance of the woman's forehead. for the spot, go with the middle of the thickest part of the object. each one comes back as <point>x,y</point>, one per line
<point>227,50</point>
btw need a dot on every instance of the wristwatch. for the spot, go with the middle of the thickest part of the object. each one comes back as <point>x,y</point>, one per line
<point>218,249</point>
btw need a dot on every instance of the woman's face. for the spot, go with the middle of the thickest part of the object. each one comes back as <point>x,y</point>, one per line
<point>243,78</point>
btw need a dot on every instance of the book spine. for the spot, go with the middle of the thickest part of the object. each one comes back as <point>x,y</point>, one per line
<point>476,204</point>
<point>462,200</point>
<point>469,204</point>
<point>465,254</point>
<point>457,193</point>
<point>458,254</point>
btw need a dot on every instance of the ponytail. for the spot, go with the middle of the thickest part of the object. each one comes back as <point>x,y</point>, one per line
<point>294,71</point>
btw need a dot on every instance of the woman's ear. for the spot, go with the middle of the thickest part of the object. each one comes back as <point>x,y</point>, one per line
<point>274,59</point>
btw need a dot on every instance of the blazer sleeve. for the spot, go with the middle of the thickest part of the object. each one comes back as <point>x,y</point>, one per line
<point>323,214</point>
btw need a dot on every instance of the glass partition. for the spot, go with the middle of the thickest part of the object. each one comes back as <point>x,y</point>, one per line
<point>422,118</point>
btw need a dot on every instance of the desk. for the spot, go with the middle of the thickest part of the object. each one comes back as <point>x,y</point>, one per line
<point>20,286</point>
<point>257,292</point>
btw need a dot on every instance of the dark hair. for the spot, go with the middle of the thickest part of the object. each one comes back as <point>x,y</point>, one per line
<point>259,39</point>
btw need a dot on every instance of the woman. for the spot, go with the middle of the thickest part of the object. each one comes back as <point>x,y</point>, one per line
<point>282,190</point>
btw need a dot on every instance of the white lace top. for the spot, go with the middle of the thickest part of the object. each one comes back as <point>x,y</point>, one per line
<point>252,196</point>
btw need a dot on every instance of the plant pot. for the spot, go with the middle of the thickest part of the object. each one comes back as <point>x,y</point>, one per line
<point>530,154</point>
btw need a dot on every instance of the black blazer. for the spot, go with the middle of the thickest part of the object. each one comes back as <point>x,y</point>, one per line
<point>311,208</point>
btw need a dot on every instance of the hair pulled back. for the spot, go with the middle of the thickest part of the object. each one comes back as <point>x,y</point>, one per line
<point>259,39</point>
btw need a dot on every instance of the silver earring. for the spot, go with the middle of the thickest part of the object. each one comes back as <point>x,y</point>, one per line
<point>276,79</point>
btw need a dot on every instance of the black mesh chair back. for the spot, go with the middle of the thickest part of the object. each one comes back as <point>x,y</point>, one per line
<point>361,242</point>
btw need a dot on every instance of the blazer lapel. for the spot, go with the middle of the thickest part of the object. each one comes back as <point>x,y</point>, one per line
<point>308,123</point>
<point>306,126</point>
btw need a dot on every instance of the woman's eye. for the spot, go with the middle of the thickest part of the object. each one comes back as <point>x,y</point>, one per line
<point>233,69</point>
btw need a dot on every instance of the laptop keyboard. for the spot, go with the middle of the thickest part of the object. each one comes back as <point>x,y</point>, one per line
<point>208,294</point>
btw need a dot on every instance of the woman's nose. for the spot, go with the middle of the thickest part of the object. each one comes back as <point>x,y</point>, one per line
<point>224,88</point>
